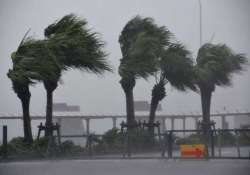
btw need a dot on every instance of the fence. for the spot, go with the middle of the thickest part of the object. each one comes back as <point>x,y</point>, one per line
<point>226,143</point>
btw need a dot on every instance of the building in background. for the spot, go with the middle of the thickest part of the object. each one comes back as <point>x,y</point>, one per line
<point>63,107</point>
<point>242,122</point>
<point>143,108</point>
<point>69,126</point>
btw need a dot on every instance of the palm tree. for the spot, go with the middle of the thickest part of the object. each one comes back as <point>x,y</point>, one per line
<point>68,44</point>
<point>215,65</point>
<point>73,46</point>
<point>141,41</point>
<point>20,83</point>
<point>41,65</point>
<point>175,67</point>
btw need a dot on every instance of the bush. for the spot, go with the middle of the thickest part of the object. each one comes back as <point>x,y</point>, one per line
<point>40,146</point>
<point>67,147</point>
<point>114,141</point>
<point>111,141</point>
<point>244,138</point>
<point>191,139</point>
<point>17,147</point>
<point>227,139</point>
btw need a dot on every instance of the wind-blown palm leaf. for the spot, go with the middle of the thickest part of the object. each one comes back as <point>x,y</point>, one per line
<point>75,46</point>
<point>176,67</point>
<point>216,63</point>
<point>38,63</point>
<point>142,57</point>
<point>139,26</point>
<point>69,24</point>
<point>141,43</point>
<point>17,74</point>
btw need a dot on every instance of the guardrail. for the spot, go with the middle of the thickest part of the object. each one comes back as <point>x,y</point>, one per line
<point>191,144</point>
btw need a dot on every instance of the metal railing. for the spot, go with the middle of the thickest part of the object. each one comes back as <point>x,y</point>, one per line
<point>219,143</point>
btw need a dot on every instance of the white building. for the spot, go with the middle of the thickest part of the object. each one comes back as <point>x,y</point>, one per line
<point>70,126</point>
<point>242,121</point>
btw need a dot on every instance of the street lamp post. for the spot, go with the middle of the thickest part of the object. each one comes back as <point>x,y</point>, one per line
<point>200,22</point>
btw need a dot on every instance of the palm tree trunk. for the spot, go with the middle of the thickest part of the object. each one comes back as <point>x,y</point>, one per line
<point>26,118</point>
<point>50,87</point>
<point>130,106</point>
<point>49,112</point>
<point>158,93</point>
<point>128,86</point>
<point>153,108</point>
<point>206,95</point>
<point>23,93</point>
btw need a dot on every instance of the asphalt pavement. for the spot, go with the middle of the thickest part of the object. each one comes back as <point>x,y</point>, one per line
<point>127,167</point>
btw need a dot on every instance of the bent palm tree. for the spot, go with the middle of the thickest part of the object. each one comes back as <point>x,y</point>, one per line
<point>141,41</point>
<point>215,66</point>
<point>20,83</point>
<point>175,67</point>
<point>40,65</point>
<point>68,44</point>
<point>74,46</point>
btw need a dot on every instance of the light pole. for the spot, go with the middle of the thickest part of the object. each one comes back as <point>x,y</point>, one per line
<point>200,22</point>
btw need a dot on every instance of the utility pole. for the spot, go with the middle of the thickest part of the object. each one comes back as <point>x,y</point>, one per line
<point>200,22</point>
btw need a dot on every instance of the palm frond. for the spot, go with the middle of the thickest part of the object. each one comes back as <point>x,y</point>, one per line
<point>217,63</point>
<point>75,46</point>
<point>36,60</point>
<point>177,67</point>
<point>69,24</point>
<point>142,42</point>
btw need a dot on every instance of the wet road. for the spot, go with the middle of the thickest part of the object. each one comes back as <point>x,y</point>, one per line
<point>127,167</point>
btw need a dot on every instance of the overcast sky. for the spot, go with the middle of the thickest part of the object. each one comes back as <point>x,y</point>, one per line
<point>227,20</point>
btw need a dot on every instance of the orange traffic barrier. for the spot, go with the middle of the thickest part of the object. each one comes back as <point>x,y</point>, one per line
<point>196,150</point>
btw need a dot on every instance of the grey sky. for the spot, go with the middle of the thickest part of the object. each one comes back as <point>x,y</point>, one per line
<point>228,20</point>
